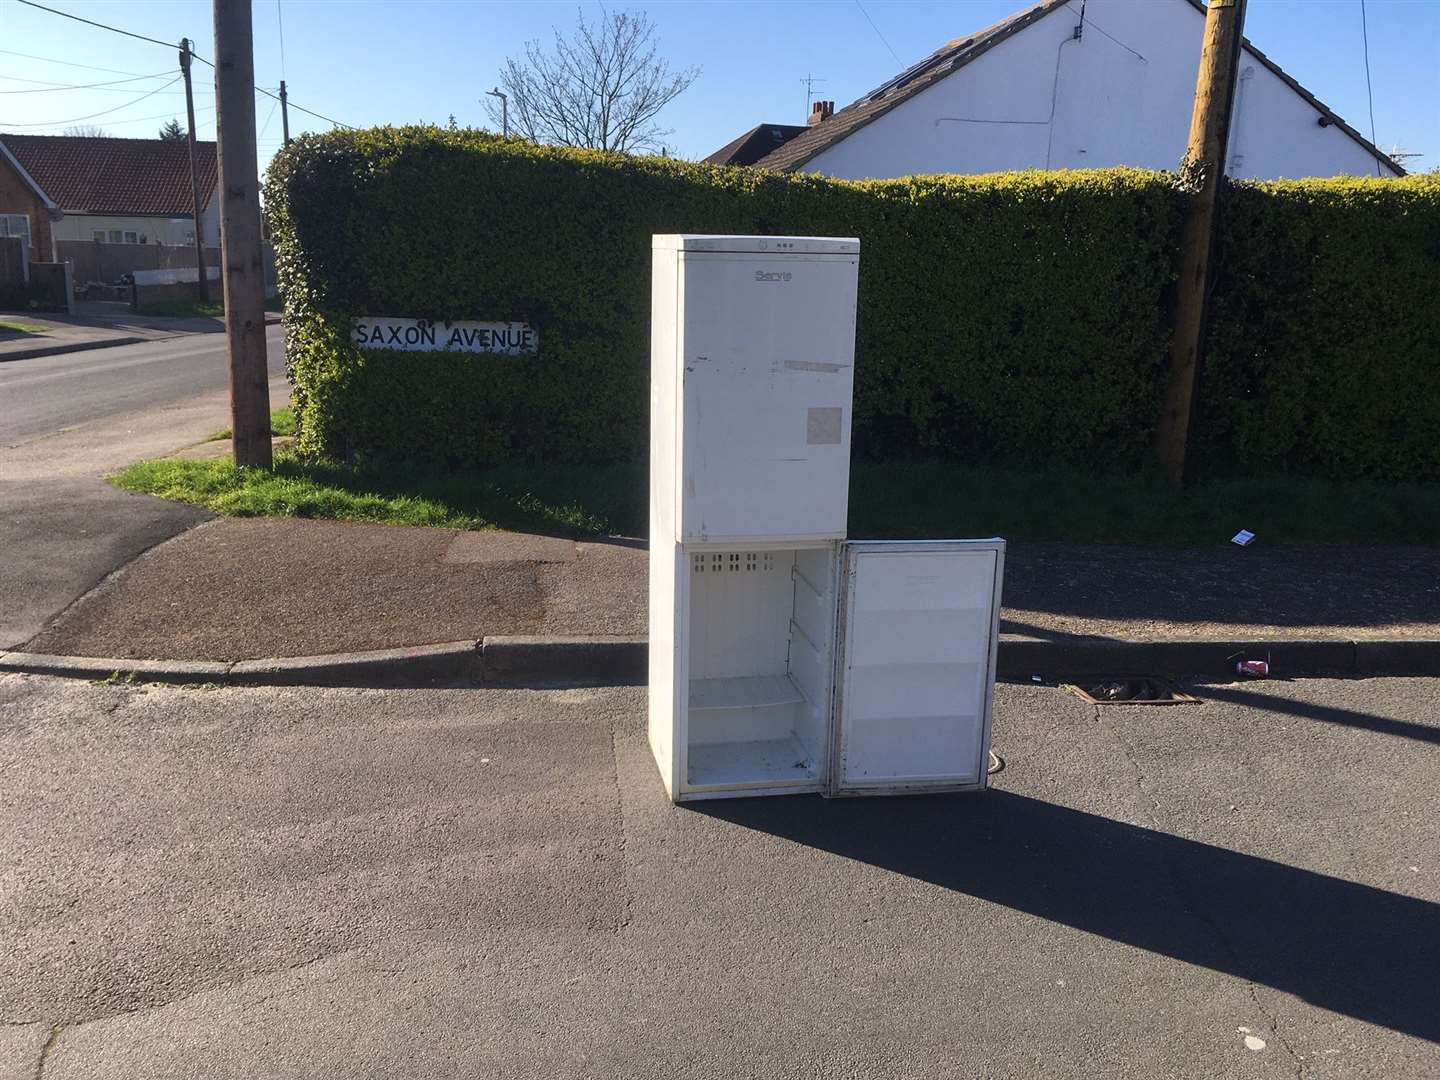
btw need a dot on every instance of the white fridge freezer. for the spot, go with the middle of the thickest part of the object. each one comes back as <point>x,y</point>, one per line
<point>784,658</point>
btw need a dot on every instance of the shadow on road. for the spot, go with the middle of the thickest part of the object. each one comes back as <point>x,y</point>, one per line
<point>1352,949</point>
<point>1382,725</point>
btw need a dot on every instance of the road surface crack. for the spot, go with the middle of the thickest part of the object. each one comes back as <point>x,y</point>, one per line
<point>45,1049</point>
<point>1182,888</point>
<point>628,896</point>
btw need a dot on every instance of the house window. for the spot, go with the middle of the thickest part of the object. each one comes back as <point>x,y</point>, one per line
<point>15,225</point>
<point>132,238</point>
<point>98,236</point>
<point>116,236</point>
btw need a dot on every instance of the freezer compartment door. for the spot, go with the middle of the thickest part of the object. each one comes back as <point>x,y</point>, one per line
<point>768,349</point>
<point>919,623</point>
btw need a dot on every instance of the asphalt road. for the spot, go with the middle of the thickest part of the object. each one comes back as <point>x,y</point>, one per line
<point>50,393</point>
<point>482,882</point>
<point>68,419</point>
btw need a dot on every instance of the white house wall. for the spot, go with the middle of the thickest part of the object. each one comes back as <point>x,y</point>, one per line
<point>175,231</point>
<point>1113,104</point>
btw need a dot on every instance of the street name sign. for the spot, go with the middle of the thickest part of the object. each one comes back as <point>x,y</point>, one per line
<point>423,335</point>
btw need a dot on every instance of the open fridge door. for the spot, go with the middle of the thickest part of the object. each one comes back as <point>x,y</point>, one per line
<point>915,675</point>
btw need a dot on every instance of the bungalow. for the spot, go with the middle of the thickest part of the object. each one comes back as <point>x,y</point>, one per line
<point>56,188</point>
<point>1070,84</point>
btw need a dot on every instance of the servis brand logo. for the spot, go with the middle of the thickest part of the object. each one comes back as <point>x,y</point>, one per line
<point>772,275</point>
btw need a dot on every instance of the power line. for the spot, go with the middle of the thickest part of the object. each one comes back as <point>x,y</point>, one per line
<point>1369,94</point>
<point>280,17</point>
<point>66,63</point>
<point>877,32</point>
<point>102,26</point>
<point>155,41</point>
<point>268,117</point>
<point>1105,33</point>
<point>302,108</point>
<point>92,116</point>
<point>133,119</point>
<point>52,87</point>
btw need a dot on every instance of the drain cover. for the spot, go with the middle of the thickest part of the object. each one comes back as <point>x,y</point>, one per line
<point>1141,690</point>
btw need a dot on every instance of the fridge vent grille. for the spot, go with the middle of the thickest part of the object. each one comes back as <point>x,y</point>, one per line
<point>733,562</point>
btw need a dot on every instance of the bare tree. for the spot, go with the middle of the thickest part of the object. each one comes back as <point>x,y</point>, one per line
<point>600,89</point>
<point>85,131</point>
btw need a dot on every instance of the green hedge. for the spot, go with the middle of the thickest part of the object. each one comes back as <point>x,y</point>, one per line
<point>979,296</point>
<point>1013,317</point>
<point>1324,345</point>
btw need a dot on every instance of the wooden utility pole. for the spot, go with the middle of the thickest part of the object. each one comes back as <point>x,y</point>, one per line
<point>203,292</point>
<point>284,112</point>
<point>240,256</point>
<point>1202,170</point>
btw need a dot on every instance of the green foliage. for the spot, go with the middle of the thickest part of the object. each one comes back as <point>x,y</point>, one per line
<point>415,495</point>
<point>910,500</point>
<point>184,309</point>
<point>1016,318</point>
<point>1324,347</point>
<point>940,499</point>
<point>282,422</point>
<point>998,315</point>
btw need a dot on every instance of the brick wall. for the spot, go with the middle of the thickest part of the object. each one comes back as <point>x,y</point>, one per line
<point>17,197</point>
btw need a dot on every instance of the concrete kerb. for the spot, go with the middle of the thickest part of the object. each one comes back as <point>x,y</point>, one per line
<point>272,318</point>
<point>1080,656</point>
<point>423,664</point>
<point>101,668</point>
<point>75,346</point>
<point>548,661</point>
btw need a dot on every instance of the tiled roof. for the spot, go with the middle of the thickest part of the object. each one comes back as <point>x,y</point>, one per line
<point>954,55</point>
<point>85,175</point>
<point>946,60</point>
<point>755,144</point>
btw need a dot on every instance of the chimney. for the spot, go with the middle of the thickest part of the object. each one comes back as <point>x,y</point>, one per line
<point>820,110</point>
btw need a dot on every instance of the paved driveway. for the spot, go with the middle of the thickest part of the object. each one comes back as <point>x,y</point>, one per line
<point>295,883</point>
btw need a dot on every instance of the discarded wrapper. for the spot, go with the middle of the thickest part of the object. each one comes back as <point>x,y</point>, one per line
<point>1260,669</point>
<point>1243,537</point>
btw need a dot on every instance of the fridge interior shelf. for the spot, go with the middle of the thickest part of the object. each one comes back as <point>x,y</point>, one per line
<point>751,692</point>
<point>754,762</point>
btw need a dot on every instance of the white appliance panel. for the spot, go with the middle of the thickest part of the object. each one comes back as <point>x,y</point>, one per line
<point>767,361</point>
<point>917,664</point>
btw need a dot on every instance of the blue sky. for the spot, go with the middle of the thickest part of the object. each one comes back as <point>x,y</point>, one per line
<point>387,61</point>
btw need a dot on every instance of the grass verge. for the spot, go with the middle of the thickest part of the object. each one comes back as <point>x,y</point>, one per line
<point>191,309</point>
<point>571,502</point>
<point>18,327</point>
<point>920,500</point>
<point>182,309</point>
<point>282,422</point>
<point>934,500</point>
